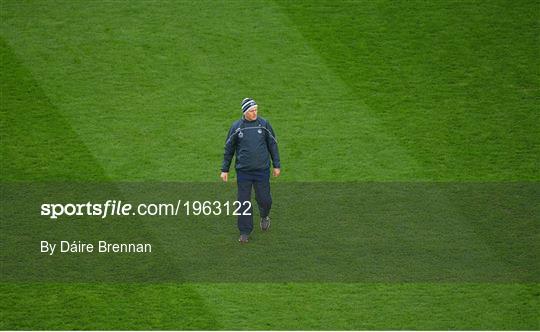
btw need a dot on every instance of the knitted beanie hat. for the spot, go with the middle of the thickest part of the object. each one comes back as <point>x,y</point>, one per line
<point>247,104</point>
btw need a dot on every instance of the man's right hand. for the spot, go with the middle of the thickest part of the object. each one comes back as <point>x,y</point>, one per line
<point>224,176</point>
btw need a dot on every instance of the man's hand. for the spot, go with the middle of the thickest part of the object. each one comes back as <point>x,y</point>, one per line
<point>277,171</point>
<point>224,176</point>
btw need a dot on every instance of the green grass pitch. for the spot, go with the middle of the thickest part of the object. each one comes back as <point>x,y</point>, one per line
<point>357,91</point>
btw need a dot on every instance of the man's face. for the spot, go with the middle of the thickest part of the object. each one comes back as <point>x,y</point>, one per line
<point>251,114</point>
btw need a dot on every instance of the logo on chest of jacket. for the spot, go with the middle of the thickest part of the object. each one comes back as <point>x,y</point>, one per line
<point>259,131</point>
<point>240,134</point>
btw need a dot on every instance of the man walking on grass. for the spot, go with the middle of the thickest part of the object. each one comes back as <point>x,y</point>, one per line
<point>253,141</point>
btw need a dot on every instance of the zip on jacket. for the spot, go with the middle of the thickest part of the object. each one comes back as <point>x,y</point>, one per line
<point>254,143</point>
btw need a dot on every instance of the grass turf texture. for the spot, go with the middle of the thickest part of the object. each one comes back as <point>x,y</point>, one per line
<point>271,306</point>
<point>377,91</point>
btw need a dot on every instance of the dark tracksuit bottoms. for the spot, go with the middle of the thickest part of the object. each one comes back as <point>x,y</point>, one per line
<point>262,195</point>
<point>254,143</point>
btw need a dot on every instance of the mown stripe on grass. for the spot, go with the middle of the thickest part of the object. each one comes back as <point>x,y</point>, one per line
<point>357,306</point>
<point>272,306</point>
<point>455,82</point>
<point>38,143</point>
<point>152,89</point>
<point>112,306</point>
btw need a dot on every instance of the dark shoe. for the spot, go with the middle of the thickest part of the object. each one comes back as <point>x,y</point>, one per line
<point>265,223</point>
<point>244,238</point>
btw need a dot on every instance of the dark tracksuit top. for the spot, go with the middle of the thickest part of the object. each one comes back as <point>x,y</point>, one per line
<point>253,142</point>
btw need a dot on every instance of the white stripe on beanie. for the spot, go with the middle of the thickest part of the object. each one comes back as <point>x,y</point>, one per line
<point>247,104</point>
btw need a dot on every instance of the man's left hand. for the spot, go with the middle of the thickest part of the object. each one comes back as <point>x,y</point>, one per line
<point>277,171</point>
